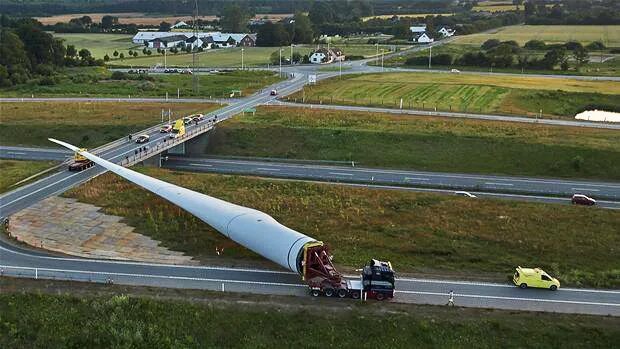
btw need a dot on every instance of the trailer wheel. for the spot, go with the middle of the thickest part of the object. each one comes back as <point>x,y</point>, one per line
<point>328,292</point>
<point>355,295</point>
<point>315,293</point>
<point>380,296</point>
<point>342,293</point>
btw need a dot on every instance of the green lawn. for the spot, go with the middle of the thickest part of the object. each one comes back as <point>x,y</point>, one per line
<point>417,232</point>
<point>84,123</point>
<point>608,34</point>
<point>101,44</point>
<point>14,171</point>
<point>422,143</point>
<point>96,82</point>
<point>32,320</point>
<point>608,68</point>
<point>520,95</point>
<point>231,57</point>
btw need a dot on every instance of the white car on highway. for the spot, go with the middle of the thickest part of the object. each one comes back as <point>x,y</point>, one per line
<point>464,194</point>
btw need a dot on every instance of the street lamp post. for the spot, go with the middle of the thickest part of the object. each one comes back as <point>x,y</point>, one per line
<point>291,53</point>
<point>280,61</point>
<point>382,59</point>
<point>377,55</point>
<point>242,58</point>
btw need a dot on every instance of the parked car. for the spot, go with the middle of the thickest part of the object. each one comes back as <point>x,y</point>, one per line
<point>143,139</point>
<point>534,277</point>
<point>580,199</point>
<point>165,129</point>
<point>465,194</point>
<point>274,92</point>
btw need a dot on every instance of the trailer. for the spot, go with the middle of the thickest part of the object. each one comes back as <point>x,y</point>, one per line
<point>264,235</point>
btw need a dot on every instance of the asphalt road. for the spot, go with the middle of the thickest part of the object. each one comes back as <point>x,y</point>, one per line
<point>409,290</point>
<point>490,117</point>
<point>24,262</point>
<point>517,188</point>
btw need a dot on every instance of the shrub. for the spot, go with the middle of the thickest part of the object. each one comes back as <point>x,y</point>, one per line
<point>577,162</point>
<point>596,46</point>
<point>442,59</point>
<point>47,81</point>
<point>535,45</point>
<point>119,75</point>
<point>417,60</point>
<point>573,45</point>
<point>489,44</point>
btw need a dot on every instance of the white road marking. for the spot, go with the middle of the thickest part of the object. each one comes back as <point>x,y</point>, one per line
<point>443,294</point>
<point>202,165</point>
<point>415,179</point>
<point>267,169</point>
<point>493,183</point>
<point>15,153</point>
<point>585,189</point>
<point>341,174</point>
<point>158,276</point>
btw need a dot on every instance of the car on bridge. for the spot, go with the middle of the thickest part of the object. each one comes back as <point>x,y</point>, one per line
<point>142,139</point>
<point>534,277</point>
<point>187,120</point>
<point>580,199</point>
<point>274,92</point>
<point>165,129</point>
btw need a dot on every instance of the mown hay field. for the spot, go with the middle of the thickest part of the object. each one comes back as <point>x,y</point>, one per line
<point>552,34</point>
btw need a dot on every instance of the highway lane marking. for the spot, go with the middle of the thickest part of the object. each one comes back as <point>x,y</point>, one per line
<point>267,169</point>
<point>416,179</point>
<point>100,261</point>
<point>202,165</point>
<point>427,174</point>
<point>585,189</point>
<point>443,294</point>
<point>493,183</point>
<point>158,276</point>
<point>341,174</point>
<point>15,153</point>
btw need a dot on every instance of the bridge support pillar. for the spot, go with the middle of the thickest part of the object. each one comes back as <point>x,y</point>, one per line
<point>197,145</point>
<point>154,161</point>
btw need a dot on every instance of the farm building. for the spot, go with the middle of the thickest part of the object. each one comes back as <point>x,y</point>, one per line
<point>418,29</point>
<point>221,39</point>
<point>446,32</point>
<point>423,38</point>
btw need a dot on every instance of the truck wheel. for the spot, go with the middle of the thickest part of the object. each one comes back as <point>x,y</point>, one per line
<point>553,288</point>
<point>355,295</point>
<point>315,293</point>
<point>328,292</point>
<point>342,293</point>
<point>523,286</point>
<point>380,296</point>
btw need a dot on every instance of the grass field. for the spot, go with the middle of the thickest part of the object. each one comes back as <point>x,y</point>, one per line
<point>417,232</point>
<point>594,67</point>
<point>554,34</point>
<point>145,18</point>
<point>421,143</point>
<point>14,171</point>
<point>521,95</point>
<point>101,44</point>
<point>231,57</point>
<point>48,320</point>
<point>96,82</point>
<point>87,124</point>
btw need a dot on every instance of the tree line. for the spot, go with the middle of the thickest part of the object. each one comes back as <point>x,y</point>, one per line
<point>572,12</point>
<point>27,52</point>
<point>508,54</point>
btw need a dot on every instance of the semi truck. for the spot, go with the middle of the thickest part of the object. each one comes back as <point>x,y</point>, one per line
<point>178,129</point>
<point>261,233</point>
<point>80,162</point>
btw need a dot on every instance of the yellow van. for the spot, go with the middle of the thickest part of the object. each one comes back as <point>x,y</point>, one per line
<point>534,277</point>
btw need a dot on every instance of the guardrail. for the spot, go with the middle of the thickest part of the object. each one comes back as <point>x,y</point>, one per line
<point>149,150</point>
<point>157,280</point>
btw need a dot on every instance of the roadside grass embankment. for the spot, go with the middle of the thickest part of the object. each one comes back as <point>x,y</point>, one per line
<point>420,233</point>
<point>421,143</point>
<point>87,124</point>
<point>13,171</point>
<point>98,82</point>
<point>47,320</point>
<point>515,95</point>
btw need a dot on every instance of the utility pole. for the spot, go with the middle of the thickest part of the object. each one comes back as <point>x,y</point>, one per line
<point>280,61</point>
<point>291,53</point>
<point>195,85</point>
<point>242,58</point>
<point>377,55</point>
<point>382,59</point>
<point>340,75</point>
<point>430,54</point>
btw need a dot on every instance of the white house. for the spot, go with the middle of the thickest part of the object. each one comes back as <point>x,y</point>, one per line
<point>325,56</point>
<point>446,32</point>
<point>167,42</point>
<point>423,38</point>
<point>418,29</point>
<point>180,24</point>
<point>193,42</point>
<point>222,39</point>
